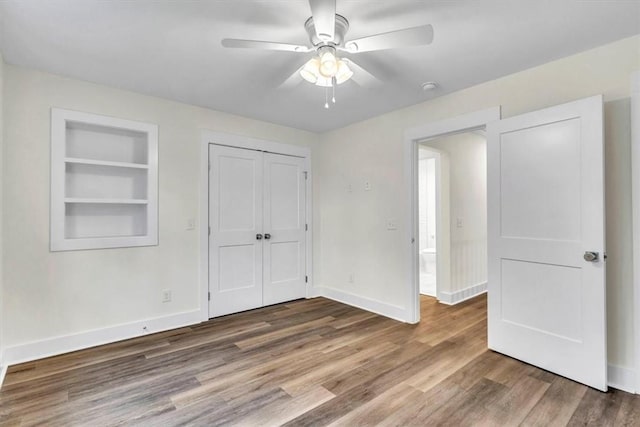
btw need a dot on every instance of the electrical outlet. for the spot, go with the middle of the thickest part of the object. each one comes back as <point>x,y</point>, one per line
<point>166,296</point>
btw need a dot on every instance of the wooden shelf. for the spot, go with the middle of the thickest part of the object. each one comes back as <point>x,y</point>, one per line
<point>108,201</point>
<point>76,160</point>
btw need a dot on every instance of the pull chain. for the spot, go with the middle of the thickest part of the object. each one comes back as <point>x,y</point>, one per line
<point>334,83</point>
<point>326,98</point>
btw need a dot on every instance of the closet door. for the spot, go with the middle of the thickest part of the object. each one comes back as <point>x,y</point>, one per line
<point>235,240</point>
<point>284,227</point>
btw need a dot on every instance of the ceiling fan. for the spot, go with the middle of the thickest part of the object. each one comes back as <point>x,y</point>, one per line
<point>327,32</point>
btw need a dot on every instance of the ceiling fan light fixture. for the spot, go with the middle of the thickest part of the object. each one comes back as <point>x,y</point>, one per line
<point>326,70</point>
<point>344,73</point>
<point>328,61</point>
<point>309,71</point>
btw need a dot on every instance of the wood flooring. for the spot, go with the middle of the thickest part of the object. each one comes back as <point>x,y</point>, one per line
<point>307,363</point>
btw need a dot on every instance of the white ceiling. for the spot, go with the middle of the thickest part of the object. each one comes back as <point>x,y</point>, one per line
<point>172,49</point>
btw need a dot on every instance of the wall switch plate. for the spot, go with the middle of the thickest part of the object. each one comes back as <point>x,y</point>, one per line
<point>459,223</point>
<point>166,296</point>
<point>191,223</point>
<point>367,186</point>
<point>351,278</point>
<point>392,224</point>
<point>349,188</point>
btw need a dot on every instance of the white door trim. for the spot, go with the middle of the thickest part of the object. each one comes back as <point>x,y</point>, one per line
<point>220,138</point>
<point>635,188</point>
<point>464,123</point>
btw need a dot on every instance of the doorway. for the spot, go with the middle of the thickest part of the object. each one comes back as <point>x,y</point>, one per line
<point>452,202</point>
<point>257,229</point>
<point>413,138</point>
<point>546,272</point>
<point>427,164</point>
<point>256,216</point>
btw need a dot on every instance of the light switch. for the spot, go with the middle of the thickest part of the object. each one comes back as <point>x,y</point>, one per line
<point>392,224</point>
<point>367,186</point>
<point>459,222</point>
<point>191,224</point>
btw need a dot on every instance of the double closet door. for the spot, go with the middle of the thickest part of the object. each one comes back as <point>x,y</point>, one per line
<point>257,229</point>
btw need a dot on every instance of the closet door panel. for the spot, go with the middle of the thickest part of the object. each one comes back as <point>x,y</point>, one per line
<point>284,227</point>
<point>235,218</point>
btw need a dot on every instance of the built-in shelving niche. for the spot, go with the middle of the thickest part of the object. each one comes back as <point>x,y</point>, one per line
<point>104,181</point>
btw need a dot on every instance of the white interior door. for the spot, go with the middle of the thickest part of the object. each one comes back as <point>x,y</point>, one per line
<point>546,211</point>
<point>284,227</point>
<point>235,218</point>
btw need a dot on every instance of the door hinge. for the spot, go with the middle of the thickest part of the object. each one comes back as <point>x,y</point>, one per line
<point>209,296</point>
<point>209,166</point>
<point>209,230</point>
<point>305,174</point>
<point>306,279</point>
<point>306,227</point>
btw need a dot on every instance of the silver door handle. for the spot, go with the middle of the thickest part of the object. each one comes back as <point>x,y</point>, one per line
<point>258,236</point>
<point>267,236</point>
<point>591,256</point>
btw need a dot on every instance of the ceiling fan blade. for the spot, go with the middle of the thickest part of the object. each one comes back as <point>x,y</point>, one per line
<point>257,44</point>
<point>324,18</point>
<point>361,76</point>
<point>293,80</point>
<point>408,37</point>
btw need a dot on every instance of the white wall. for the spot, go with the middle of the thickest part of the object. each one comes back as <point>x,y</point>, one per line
<point>2,312</point>
<point>55,294</point>
<point>354,237</point>
<point>467,153</point>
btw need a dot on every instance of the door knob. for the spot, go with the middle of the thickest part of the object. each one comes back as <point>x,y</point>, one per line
<point>591,256</point>
<point>267,236</point>
<point>258,236</point>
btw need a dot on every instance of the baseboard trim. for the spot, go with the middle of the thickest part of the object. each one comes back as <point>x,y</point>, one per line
<point>381,308</point>
<point>622,378</point>
<point>3,373</point>
<point>64,344</point>
<point>453,298</point>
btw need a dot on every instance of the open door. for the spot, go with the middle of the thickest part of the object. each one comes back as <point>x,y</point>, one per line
<point>546,285</point>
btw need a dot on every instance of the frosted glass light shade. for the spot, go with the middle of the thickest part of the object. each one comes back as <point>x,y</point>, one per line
<point>328,64</point>
<point>310,70</point>
<point>344,73</point>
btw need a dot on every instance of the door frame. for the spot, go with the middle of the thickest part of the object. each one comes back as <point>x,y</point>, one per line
<point>635,196</point>
<point>412,136</point>
<point>237,141</point>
